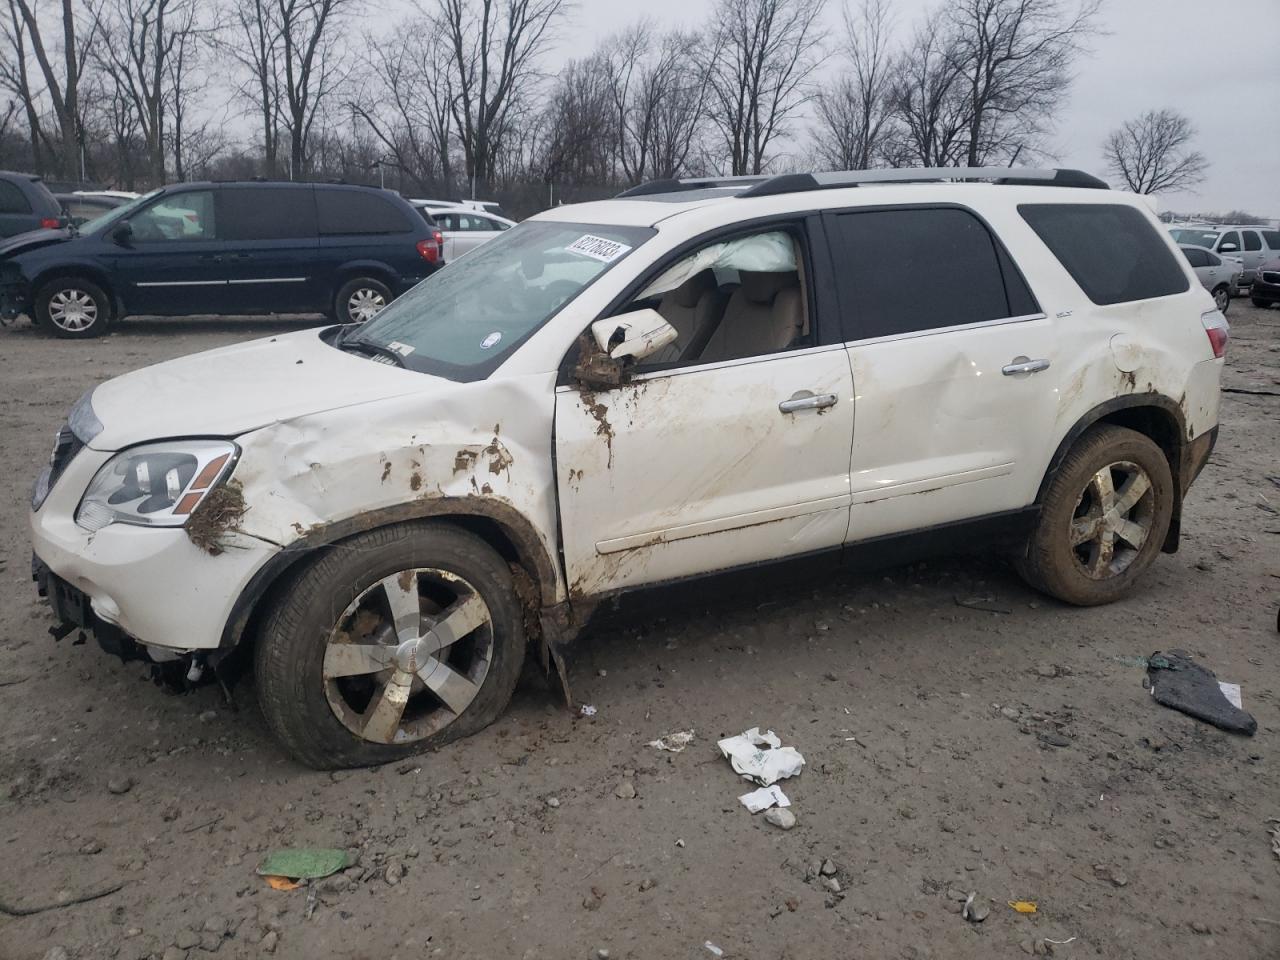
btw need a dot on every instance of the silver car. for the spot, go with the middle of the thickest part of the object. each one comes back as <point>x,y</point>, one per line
<point>1250,244</point>
<point>1220,277</point>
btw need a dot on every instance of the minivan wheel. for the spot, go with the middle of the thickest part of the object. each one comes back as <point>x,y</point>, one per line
<point>1103,519</point>
<point>400,640</point>
<point>73,308</point>
<point>1260,303</point>
<point>361,299</point>
<point>1222,297</point>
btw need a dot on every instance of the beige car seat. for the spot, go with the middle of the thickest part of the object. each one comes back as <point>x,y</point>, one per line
<point>692,308</point>
<point>764,315</point>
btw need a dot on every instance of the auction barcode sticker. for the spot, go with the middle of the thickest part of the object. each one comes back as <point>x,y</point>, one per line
<point>598,248</point>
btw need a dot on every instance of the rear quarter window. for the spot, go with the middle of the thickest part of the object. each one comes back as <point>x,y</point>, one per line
<point>1111,250</point>
<point>358,212</point>
<point>12,199</point>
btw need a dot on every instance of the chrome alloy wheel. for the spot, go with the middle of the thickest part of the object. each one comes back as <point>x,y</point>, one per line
<point>408,656</point>
<point>1222,299</point>
<point>73,310</point>
<point>1112,519</point>
<point>365,303</point>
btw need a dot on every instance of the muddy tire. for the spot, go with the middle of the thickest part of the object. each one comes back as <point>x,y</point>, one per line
<point>360,299</point>
<point>1103,519</point>
<point>399,641</point>
<point>73,308</point>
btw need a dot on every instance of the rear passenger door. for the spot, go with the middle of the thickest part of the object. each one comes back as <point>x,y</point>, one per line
<point>1253,254</point>
<point>953,371</point>
<point>362,233</point>
<point>269,252</point>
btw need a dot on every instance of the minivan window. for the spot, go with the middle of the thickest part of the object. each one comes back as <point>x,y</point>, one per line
<point>1251,241</point>
<point>266,213</point>
<point>358,212</point>
<point>1111,250</point>
<point>462,321</point>
<point>176,216</point>
<point>908,270</point>
<point>12,199</point>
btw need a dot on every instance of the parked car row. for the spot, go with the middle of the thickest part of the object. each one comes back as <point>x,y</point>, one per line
<point>1251,245</point>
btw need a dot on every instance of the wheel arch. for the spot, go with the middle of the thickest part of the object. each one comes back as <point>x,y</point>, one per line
<point>352,269</point>
<point>89,271</point>
<point>498,524</point>
<point>1153,415</point>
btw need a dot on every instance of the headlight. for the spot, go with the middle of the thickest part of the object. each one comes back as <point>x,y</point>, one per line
<point>157,484</point>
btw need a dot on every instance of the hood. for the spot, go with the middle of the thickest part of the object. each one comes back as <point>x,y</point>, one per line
<point>236,389</point>
<point>22,242</point>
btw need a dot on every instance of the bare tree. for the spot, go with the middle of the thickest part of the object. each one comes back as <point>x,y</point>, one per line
<point>1152,154</point>
<point>254,42</point>
<point>763,55</point>
<point>659,104</point>
<point>313,63</point>
<point>1013,58</point>
<point>927,101</point>
<point>578,125</point>
<point>855,117</point>
<point>493,50</point>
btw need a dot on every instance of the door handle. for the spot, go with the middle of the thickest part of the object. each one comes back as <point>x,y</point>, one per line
<point>1024,365</point>
<point>239,256</point>
<point>211,258</point>
<point>811,402</point>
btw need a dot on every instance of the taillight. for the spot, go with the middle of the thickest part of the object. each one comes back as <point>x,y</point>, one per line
<point>429,250</point>
<point>1218,331</point>
<point>50,223</point>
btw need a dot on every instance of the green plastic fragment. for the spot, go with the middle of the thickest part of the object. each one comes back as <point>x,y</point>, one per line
<point>304,863</point>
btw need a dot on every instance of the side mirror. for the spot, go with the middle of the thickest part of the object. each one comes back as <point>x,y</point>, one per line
<point>634,335</point>
<point>122,233</point>
<point>1228,248</point>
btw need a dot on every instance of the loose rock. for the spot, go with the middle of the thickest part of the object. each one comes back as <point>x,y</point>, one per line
<point>828,869</point>
<point>119,785</point>
<point>780,817</point>
<point>626,790</point>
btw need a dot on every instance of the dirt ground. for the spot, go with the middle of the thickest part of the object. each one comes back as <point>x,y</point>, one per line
<point>929,731</point>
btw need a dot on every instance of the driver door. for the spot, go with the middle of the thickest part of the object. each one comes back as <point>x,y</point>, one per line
<point>737,456</point>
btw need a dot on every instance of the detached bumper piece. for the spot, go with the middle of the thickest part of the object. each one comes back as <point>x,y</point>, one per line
<point>74,611</point>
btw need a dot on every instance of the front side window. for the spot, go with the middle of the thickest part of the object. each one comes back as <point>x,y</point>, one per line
<point>1251,241</point>
<point>464,320</point>
<point>1111,250</point>
<point>1232,238</point>
<point>910,270</point>
<point>179,216</point>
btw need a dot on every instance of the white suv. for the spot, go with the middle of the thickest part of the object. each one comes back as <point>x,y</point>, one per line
<point>694,376</point>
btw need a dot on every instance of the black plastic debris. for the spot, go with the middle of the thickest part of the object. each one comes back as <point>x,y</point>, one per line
<point>1180,683</point>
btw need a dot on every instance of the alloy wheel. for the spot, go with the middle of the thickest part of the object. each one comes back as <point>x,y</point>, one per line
<point>1112,520</point>
<point>1222,299</point>
<point>365,304</point>
<point>73,310</point>
<point>408,656</point>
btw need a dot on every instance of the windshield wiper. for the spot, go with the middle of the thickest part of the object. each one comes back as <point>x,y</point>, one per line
<point>375,348</point>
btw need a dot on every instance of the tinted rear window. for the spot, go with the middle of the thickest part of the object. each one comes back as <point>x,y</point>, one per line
<point>266,213</point>
<point>358,211</point>
<point>12,199</point>
<point>1251,241</point>
<point>1112,251</point>
<point>1272,238</point>
<point>904,271</point>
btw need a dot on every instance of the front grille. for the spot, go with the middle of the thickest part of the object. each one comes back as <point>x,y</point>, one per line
<point>65,447</point>
<point>1270,276</point>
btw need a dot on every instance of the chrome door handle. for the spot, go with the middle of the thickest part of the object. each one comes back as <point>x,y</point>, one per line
<point>811,402</point>
<point>1024,365</point>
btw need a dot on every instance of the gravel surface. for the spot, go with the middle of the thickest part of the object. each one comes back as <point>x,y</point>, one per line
<point>951,751</point>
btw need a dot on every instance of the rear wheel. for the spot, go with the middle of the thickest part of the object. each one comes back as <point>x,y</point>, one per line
<point>361,299</point>
<point>1222,297</point>
<point>404,639</point>
<point>1103,520</point>
<point>1260,303</point>
<point>73,308</point>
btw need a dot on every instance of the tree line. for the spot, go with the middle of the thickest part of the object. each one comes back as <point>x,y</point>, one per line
<point>457,97</point>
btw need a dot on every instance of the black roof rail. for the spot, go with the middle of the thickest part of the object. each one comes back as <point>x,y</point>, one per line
<point>690,183</point>
<point>1027,176</point>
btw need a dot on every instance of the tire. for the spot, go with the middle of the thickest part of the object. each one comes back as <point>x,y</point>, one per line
<point>1085,574</point>
<point>360,299</point>
<point>73,308</point>
<point>1260,303</point>
<point>1222,298</point>
<point>319,691</point>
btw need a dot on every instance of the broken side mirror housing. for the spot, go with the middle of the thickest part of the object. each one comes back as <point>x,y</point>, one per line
<point>633,336</point>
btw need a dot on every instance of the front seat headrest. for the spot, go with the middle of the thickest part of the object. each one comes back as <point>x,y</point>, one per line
<point>761,287</point>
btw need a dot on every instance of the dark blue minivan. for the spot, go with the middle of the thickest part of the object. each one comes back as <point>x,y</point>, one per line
<point>223,248</point>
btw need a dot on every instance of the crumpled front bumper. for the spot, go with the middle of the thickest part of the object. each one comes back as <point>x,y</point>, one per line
<point>152,583</point>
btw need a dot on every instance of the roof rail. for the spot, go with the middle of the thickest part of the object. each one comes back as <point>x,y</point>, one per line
<point>692,183</point>
<point>799,182</point>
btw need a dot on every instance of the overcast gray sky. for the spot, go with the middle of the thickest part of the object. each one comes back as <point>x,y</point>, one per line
<point>1217,62</point>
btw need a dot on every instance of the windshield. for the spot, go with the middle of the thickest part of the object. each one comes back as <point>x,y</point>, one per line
<point>464,319</point>
<point>1197,238</point>
<point>111,216</point>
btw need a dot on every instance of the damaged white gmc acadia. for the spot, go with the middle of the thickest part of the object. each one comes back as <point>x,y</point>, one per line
<point>694,376</point>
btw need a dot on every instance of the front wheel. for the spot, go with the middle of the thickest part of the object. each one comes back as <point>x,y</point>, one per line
<point>1260,303</point>
<point>1103,520</point>
<point>1222,297</point>
<point>361,299</point>
<point>73,308</point>
<point>397,641</point>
